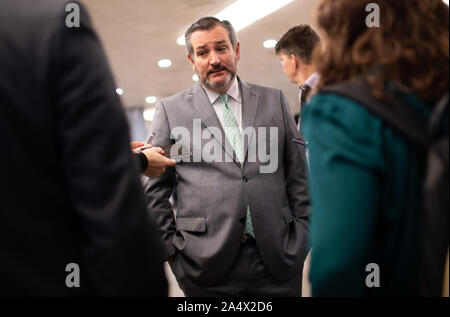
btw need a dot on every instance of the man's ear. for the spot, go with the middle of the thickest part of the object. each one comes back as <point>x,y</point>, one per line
<point>296,62</point>
<point>191,60</point>
<point>238,51</point>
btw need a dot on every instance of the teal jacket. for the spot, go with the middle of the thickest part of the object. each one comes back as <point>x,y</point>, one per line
<point>365,185</point>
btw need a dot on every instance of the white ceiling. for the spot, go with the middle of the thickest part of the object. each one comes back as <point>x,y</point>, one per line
<point>138,33</point>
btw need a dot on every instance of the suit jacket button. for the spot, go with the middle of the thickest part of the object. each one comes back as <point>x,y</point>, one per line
<point>245,179</point>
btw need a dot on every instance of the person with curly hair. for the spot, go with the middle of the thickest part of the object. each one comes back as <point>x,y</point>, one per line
<point>365,177</point>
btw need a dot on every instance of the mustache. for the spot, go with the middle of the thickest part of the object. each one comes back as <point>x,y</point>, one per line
<point>218,68</point>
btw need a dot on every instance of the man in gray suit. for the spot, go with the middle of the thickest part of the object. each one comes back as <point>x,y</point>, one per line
<point>241,225</point>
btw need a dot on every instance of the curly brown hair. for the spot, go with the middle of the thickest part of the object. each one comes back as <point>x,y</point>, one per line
<point>410,48</point>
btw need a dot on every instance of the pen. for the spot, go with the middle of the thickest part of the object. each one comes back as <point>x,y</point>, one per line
<point>150,138</point>
<point>299,141</point>
<point>148,141</point>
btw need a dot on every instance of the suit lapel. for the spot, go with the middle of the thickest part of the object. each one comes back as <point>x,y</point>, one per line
<point>249,108</point>
<point>209,118</point>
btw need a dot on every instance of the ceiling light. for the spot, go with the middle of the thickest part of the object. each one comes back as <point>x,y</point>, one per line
<point>270,43</point>
<point>164,63</point>
<point>181,41</point>
<point>195,78</point>
<point>242,13</point>
<point>151,99</point>
<point>119,91</point>
<point>149,114</point>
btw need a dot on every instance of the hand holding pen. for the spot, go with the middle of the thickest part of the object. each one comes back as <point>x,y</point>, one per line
<point>156,161</point>
<point>137,146</point>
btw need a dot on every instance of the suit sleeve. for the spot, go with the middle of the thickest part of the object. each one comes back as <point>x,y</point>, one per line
<point>159,190</point>
<point>141,162</point>
<point>119,244</point>
<point>295,168</point>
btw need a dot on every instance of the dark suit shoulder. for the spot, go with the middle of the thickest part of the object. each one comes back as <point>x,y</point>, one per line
<point>31,11</point>
<point>37,24</point>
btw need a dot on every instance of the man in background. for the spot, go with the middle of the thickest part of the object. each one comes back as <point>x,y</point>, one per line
<point>73,220</point>
<point>295,50</point>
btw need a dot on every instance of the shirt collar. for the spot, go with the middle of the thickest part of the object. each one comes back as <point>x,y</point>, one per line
<point>232,92</point>
<point>312,80</point>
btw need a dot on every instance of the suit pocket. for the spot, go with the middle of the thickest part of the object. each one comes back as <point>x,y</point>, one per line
<point>287,214</point>
<point>197,224</point>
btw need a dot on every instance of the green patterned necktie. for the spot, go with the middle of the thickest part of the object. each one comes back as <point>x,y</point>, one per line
<point>235,138</point>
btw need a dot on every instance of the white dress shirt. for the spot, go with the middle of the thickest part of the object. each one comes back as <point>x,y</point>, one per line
<point>313,80</point>
<point>234,103</point>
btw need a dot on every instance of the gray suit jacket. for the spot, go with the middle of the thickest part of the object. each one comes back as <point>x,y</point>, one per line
<point>212,197</point>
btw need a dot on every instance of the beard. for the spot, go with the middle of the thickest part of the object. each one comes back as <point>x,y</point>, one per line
<point>219,85</point>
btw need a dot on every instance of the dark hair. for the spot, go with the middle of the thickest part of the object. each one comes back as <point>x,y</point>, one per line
<point>299,41</point>
<point>208,23</point>
<point>410,49</point>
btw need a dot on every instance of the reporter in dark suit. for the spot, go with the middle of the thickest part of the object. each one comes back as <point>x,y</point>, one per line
<point>69,189</point>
